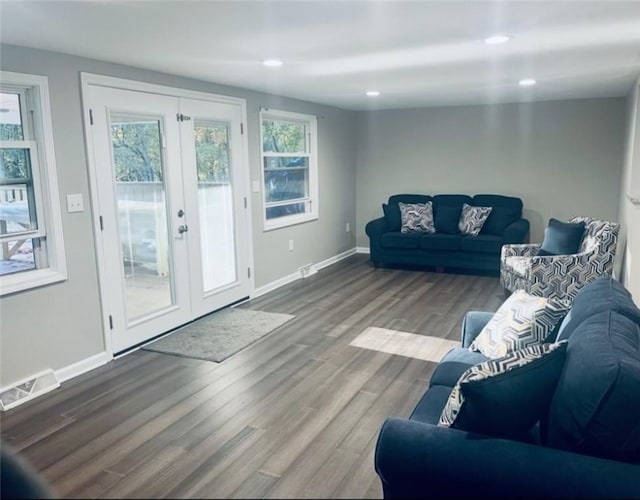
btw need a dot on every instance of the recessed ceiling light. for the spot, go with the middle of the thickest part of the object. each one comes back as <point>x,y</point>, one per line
<point>527,82</point>
<point>497,39</point>
<point>272,63</point>
<point>373,93</point>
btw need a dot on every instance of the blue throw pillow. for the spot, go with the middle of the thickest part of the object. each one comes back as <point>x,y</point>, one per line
<point>505,397</point>
<point>562,238</point>
<point>446,219</point>
<point>392,216</point>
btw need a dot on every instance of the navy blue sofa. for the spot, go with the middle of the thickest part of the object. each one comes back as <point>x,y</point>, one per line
<point>591,444</point>
<point>447,247</point>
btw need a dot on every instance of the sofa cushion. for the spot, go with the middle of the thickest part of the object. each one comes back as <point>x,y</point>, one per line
<point>446,219</point>
<point>506,210</point>
<point>409,198</point>
<point>437,241</point>
<point>400,240</point>
<point>417,217</point>
<point>505,397</point>
<point>454,364</point>
<point>603,294</point>
<point>562,238</point>
<point>522,320</point>
<point>596,406</point>
<point>431,404</point>
<point>472,219</point>
<point>450,200</point>
<point>392,216</point>
<point>483,243</point>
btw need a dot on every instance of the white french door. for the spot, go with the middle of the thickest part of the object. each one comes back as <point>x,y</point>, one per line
<point>170,187</point>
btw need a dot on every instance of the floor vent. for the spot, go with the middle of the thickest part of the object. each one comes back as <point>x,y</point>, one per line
<point>28,389</point>
<point>308,270</point>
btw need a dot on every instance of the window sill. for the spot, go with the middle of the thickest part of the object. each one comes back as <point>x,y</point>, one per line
<point>291,220</point>
<point>21,282</point>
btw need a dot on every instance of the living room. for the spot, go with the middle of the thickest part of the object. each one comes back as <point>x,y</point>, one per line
<point>565,155</point>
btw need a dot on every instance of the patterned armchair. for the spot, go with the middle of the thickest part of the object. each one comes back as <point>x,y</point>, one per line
<point>561,276</point>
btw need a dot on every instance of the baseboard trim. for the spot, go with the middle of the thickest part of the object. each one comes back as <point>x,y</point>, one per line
<point>335,259</point>
<point>290,278</point>
<point>364,250</point>
<point>83,366</point>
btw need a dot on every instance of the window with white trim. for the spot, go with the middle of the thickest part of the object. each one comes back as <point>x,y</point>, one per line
<point>289,167</point>
<point>31,244</point>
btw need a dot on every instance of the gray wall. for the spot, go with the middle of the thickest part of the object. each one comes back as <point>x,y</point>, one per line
<point>562,158</point>
<point>56,326</point>
<point>629,248</point>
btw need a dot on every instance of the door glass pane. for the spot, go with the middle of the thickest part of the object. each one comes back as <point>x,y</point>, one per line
<point>215,203</point>
<point>142,213</point>
<point>10,118</point>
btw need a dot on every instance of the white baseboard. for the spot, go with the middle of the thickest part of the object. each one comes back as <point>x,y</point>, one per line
<point>364,250</point>
<point>290,278</point>
<point>335,258</point>
<point>83,366</point>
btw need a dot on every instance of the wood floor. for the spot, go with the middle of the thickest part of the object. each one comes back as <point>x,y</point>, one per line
<point>294,415</point>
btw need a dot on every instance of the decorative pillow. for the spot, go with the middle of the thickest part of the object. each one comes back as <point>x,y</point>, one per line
<point>447,217</point>
<point>392,216</point>
<point>505,397</point>
<point>562,238</point>
<point>472,219</point>
<point>522,320</point>
<point>417,217</point>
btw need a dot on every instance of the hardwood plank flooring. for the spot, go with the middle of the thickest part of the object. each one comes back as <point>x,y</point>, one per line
<point>295,415</point>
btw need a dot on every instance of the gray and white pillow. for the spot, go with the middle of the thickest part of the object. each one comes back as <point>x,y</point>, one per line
<point>417,217</point>
<point>473,218</point>
<point>521,321</point>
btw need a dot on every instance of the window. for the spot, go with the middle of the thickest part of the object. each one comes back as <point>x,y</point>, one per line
<point>289,168</point>
<point>31,246</point>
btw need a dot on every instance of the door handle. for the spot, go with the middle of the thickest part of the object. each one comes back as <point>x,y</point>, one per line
<point>183,228</point>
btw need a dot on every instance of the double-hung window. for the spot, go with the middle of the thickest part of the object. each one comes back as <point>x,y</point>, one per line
<point>289,167</point>
<point>31,244</point>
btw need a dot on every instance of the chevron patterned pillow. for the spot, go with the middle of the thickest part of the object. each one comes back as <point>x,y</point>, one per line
<point>473,218</point>
<point>522,320</point>
<point>505,397</point>
<point>417,217</point>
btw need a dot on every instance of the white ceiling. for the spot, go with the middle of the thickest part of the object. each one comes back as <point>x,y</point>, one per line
<point>416,53</point>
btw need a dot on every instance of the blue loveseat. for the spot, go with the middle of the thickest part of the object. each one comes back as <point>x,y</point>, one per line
<point>590,446</point>
<point>447,247</point>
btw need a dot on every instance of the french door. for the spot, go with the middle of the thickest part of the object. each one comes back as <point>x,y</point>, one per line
<point>170,188</point>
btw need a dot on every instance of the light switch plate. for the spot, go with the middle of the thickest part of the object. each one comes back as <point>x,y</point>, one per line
<point>255,186</point>
<point>75,203</point>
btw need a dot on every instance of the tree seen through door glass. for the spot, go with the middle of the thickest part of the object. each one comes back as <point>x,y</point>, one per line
<point>215,203</point>
<point>142,213</point>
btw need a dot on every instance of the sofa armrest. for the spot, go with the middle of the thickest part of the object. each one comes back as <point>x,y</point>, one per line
<point>523,250</point>
<point>419,460</point>
<point>376,228</point>
<point>517,232</point>
<point>472,325</point>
